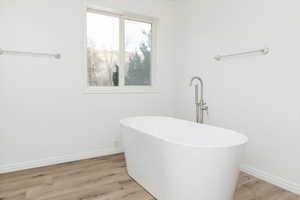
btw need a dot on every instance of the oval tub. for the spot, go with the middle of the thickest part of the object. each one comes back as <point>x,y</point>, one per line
<point>180,160</point>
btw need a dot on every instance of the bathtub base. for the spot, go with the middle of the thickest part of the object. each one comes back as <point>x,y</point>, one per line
<point>170,171</point>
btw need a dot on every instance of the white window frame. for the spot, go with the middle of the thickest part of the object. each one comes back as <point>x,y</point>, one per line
<point>123,89</point>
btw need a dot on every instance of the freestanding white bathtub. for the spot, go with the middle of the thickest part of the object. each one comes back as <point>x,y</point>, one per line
<point>180,160</point>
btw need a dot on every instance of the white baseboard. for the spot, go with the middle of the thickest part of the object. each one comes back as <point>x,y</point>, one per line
<point>275,180</point>
<point>57,160</point>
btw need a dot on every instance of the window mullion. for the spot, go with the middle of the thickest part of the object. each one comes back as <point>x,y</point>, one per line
<point>122,52</point>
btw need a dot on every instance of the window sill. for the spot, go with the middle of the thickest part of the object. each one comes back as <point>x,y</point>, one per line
<point>121,90</point>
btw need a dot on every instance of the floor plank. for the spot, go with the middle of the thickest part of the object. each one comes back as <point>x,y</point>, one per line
<point>105,178</point>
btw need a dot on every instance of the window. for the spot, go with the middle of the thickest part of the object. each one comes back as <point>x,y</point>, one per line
<point>119,51</point>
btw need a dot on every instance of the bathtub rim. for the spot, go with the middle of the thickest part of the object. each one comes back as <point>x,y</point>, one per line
<point>244,139</point>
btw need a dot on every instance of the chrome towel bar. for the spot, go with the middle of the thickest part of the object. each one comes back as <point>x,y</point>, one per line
<point>23,53</point>
<point>261,51</point>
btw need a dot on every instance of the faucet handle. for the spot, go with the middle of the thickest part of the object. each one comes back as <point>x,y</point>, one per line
<point>205,108</point>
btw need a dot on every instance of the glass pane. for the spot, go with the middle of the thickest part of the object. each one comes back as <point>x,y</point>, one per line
<point>103,50</point>
<point>137,53</point>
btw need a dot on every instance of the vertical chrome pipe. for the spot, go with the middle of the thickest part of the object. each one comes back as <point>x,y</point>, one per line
<point>200,104</point>
<point>196,94</point>
<point>197,103</point>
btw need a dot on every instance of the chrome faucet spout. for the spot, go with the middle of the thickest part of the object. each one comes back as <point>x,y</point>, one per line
<point>200,105</point>
<point>201,86</point>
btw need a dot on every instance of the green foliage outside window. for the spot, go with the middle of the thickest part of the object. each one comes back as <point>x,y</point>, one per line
<point>139,66</point>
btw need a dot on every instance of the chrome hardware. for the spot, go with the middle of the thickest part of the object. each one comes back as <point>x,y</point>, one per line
<point>200,104</point>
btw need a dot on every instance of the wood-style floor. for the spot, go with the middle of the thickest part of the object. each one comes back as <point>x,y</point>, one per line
<point>105,178</point>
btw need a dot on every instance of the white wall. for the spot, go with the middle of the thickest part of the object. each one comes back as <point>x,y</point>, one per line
<point>45,115</point>
<point>258,95</point>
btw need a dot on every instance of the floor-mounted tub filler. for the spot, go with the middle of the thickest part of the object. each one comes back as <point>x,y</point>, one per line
<point>180,160</point>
